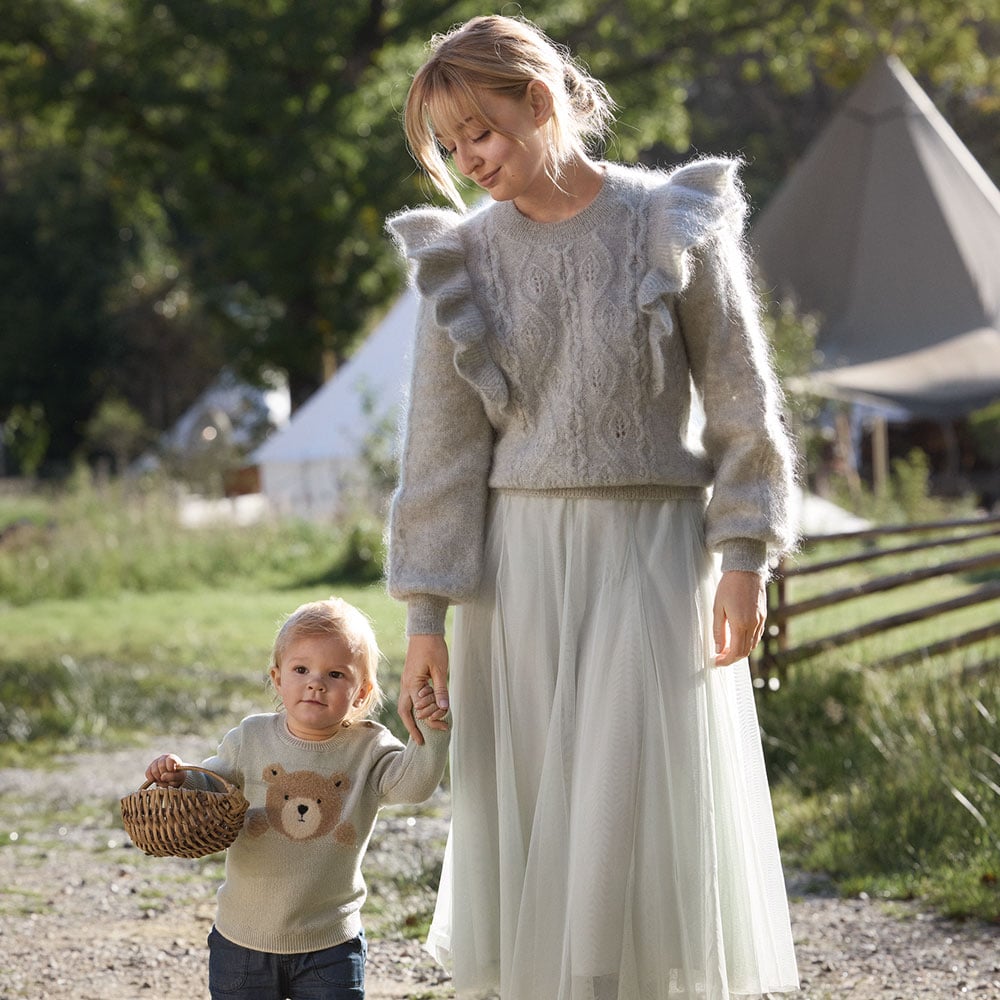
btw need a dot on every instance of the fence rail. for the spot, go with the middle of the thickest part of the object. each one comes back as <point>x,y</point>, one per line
<point>777,651</point>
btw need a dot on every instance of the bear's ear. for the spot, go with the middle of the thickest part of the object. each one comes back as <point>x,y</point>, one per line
<point>273,771</point>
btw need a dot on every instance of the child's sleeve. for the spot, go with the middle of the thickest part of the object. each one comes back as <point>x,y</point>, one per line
<point>224,762</point>
<point>409,774</point>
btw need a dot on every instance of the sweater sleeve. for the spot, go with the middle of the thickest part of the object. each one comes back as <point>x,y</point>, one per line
<point>409,774</point>
<point>225,762</point>
<point>744,436</point>
<point>436,521</point>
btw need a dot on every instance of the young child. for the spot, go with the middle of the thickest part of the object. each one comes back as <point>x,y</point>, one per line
<point>315,774</point>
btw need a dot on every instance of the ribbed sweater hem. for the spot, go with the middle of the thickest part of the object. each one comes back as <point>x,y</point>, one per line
<point>651,491</point>
<point>292,944</point>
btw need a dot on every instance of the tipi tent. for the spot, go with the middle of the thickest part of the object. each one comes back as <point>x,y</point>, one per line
<point>308,468</point>
<point>889,230</point>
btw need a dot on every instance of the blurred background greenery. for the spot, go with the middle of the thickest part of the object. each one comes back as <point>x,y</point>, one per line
<point>198,183</point>
<point>189,185</point>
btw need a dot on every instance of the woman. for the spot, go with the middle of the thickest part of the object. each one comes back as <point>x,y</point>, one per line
<point>612,834</point>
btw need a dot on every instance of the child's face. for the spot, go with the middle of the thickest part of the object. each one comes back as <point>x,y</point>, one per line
<point>319,685</point>
<point>508,168</point>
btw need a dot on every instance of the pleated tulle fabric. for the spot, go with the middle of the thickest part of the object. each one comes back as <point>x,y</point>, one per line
<point>612,834</point>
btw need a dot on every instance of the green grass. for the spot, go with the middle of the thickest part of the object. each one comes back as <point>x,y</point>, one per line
<point>117,625</point>
<point>891,784</point>
<point>88,671</point>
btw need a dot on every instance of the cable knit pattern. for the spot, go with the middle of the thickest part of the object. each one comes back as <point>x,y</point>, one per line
<point>560,356</point>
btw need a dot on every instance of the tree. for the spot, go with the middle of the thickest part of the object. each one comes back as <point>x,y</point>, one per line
<point>213,175</point>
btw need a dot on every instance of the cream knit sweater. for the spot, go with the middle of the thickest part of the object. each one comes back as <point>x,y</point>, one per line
<point>293,876</point>
<point>561,357</point>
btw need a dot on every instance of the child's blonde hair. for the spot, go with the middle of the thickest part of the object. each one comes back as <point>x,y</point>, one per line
<point>501,55</point>
<point>336,617</point>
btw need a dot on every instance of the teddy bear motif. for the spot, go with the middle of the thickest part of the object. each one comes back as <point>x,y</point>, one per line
<point>302,805</point>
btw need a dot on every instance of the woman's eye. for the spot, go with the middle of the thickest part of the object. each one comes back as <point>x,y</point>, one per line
<point>481,136</point>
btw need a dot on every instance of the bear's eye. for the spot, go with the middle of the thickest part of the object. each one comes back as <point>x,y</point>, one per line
<point>336,784</point>
<point>319,802</point>
<point>286,798</point>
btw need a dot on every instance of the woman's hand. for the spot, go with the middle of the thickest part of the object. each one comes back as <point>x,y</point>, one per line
<point>738,616</point>
<point>165,771</point>
<point>426,666</point>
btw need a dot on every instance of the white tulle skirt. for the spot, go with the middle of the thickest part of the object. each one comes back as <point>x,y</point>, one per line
<point>612,835</point>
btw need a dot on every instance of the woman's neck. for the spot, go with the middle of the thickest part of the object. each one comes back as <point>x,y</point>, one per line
<point>579,184</point>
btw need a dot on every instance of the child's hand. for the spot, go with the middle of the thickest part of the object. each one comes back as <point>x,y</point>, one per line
<point>425,705</point>
<point>164,771</point>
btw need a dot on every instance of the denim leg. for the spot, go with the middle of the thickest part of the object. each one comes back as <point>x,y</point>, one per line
<point>336,973</point>
<point>243,973</point>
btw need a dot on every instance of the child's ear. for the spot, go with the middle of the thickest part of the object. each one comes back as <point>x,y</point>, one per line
<point>542,105</point>
<point>276,678</point>
<point>363,693</point>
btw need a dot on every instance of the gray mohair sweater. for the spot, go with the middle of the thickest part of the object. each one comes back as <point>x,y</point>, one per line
<point>561,357</point>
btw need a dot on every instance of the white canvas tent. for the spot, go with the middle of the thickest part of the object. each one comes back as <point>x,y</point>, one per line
<point>308,468</point>
<point>228,413</point>
<point>889,230</point>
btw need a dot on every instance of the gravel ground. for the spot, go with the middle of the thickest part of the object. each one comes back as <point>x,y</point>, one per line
<point>84,915</point>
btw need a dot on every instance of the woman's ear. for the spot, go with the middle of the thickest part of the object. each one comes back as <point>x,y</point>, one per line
<point>542,105</point>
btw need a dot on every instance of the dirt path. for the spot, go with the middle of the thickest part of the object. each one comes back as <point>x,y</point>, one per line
<point>85,915</point>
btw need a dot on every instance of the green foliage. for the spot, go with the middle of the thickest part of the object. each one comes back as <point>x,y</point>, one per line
<point>25,437</point>
<point>204,181</point>
<point>126,537</point>
<point>69,704</point>
<point>119,430</point>
<point>985,427</point>
<point>907,499</point>
<point>891,785</point>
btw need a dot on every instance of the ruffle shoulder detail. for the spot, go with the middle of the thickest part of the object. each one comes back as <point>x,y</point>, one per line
<point>431,240</point>
<point>696,202</point>
<point>688,207</point>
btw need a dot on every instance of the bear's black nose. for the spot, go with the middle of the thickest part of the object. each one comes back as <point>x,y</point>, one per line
<point>303,810</point>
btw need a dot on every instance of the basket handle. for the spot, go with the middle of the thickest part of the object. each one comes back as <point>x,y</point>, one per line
<point>194,767</point>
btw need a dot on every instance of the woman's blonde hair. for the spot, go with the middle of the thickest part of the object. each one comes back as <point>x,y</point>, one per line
<point>336,617</point>
<point>501,55</point>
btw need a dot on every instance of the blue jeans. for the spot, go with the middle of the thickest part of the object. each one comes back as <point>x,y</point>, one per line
<point>336,973</point>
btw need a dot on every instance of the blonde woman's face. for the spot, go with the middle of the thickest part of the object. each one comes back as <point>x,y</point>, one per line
<point>511,166</point>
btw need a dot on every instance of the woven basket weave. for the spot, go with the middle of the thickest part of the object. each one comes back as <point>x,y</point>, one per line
<point>184,822</point>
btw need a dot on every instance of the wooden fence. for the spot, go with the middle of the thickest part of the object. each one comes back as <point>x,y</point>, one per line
<point>778,650</point>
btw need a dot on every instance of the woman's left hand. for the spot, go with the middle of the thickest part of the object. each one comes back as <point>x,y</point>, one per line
<point>738,616</point>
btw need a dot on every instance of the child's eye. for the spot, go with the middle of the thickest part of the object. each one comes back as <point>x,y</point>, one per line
<point>336,674</point>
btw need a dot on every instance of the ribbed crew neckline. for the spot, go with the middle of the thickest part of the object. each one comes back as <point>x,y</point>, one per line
<point>511,223</point>
<point>290,739</point>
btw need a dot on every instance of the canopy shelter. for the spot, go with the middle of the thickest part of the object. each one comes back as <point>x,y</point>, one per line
<point>889,230</point>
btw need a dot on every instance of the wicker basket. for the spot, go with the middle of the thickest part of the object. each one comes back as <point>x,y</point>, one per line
<point>184,822</point>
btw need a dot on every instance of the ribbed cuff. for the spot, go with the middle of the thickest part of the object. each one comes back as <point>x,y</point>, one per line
<point>425,615</point>
<point>747,554</point>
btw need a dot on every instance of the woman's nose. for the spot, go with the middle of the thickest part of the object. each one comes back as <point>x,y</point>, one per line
<point>465,160</point>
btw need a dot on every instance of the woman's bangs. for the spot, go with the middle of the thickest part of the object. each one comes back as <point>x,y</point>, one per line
<point>450,104</point>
